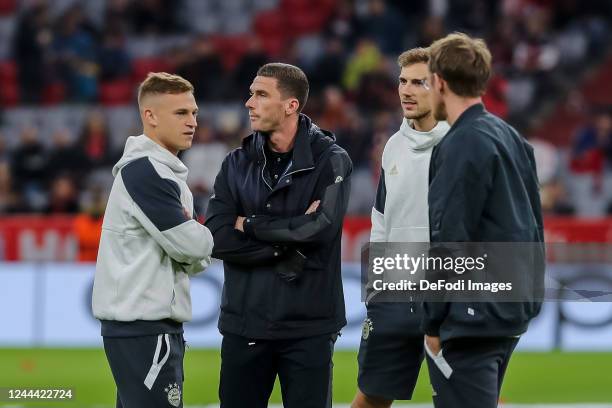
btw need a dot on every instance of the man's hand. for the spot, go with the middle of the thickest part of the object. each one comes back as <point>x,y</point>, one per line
<point>240,220</point>
<point>433,343</point>
<point>313,207</point>
<point>240,224</point>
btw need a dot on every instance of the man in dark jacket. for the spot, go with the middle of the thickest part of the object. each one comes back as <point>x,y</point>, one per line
<point>483,188</point>
<point>276,217</point>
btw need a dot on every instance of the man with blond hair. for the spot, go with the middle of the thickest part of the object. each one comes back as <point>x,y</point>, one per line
<point>150,246</point>
<point>483,188</point>
<point>391,350</point>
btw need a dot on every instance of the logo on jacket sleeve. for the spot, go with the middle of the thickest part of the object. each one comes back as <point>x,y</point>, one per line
<point>174,394</point>
<point>394,171</point>
<point>338,179</point>
<point>368,327</point>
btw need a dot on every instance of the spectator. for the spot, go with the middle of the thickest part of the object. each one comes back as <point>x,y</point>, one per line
<point>64,156</point>
<point>9,200</point>
<point>365,178</point>
<point>154,17</point>
<point>365,58</point>
<point>344,24</point>
<point>335,115</point>
<point>28,168</point>
<point>329,67</point>
<point>384,26</point>
<point>63,196</point>
<point>88,224</point>
<point>4,153</point>
<point>76,54</point>
<point>430,30</point>
<point>94,142</point>
<point>593,145</point>
<point>495,97</point>
<point>117,16</point>
<point>204,70</point>
<point>204,160</point>
<point>248,65</point>
<point>553,193</point>
<point>377,90</point>
<point>31,44</point>
<point>114,59</point>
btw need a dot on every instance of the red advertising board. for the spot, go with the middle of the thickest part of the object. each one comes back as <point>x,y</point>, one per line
<point>52,238</point>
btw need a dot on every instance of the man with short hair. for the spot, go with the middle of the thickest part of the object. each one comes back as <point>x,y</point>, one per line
<point>276,216</point>
<point>391,350</point>
<point>150,246</point>
<point>483,188</point>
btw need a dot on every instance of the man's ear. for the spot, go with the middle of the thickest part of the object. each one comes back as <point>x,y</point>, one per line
<point>440,84</point>
<point>149,117</point>
<point>291,106</point>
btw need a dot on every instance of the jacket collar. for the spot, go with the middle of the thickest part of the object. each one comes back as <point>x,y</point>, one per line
<point>302,149</point>
<point>469,114</point>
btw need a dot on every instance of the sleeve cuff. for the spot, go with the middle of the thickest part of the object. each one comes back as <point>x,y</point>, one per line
<point>431,328</point>
<point>248,226</point>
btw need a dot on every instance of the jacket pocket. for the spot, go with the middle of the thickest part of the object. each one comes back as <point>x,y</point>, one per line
<point>308,298</point>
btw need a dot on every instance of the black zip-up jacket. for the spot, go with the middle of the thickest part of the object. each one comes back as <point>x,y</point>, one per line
<point>257,302</point>
<point>484,188</point>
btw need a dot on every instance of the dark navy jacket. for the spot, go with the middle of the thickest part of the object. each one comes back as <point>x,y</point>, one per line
<point>484,188</point>
<point>256,302</point>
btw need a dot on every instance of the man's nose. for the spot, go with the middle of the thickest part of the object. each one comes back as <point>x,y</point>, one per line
<point>193,121</point>
<point>249,103</point>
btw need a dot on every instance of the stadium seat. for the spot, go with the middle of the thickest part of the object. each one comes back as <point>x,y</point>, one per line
<point>9,87</point>
<point>270,24</point>
<point>7,7</point>
<point>142,66</point>
<point>9,94</point>
<point>306,22</point>
<point>231,48</point>
<point>53,94</point>
<point>271,27</point>
<point>118,92</point>
<point>8,71</point>
<point>598,88</point>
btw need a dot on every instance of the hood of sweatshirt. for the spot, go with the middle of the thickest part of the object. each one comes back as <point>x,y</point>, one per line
<point>423,140</point>
<point>141,146</point>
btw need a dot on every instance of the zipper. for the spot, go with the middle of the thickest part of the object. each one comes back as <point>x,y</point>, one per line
<point>264,168</point>
<point>293,172</point>
<point>283,176</point>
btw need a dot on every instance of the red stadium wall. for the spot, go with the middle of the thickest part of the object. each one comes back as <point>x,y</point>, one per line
<point>40,238</point>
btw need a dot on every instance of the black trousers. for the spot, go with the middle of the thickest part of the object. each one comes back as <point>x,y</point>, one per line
<point>249,368</point>
<point>469,372</point>
<point>148,370</point>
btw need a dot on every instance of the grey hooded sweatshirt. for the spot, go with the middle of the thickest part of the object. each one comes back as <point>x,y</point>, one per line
<point>150,244</point>
<point>400,211</point>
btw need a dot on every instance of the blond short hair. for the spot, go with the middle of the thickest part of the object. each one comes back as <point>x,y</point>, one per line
<point>463,62</point>
<point>413,56</point>
<point>163,83</point>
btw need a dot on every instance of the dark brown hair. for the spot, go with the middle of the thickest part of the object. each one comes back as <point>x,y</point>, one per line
<point>463,62</point>
<point>291,80</point>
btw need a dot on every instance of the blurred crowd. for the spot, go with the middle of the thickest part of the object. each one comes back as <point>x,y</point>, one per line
<point>93,53</point>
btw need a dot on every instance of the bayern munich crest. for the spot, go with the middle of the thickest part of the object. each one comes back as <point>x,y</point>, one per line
<point>368,327</point>
<point>174,394</point>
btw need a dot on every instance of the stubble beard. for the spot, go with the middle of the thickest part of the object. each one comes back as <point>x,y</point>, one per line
<point>418,115</point>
